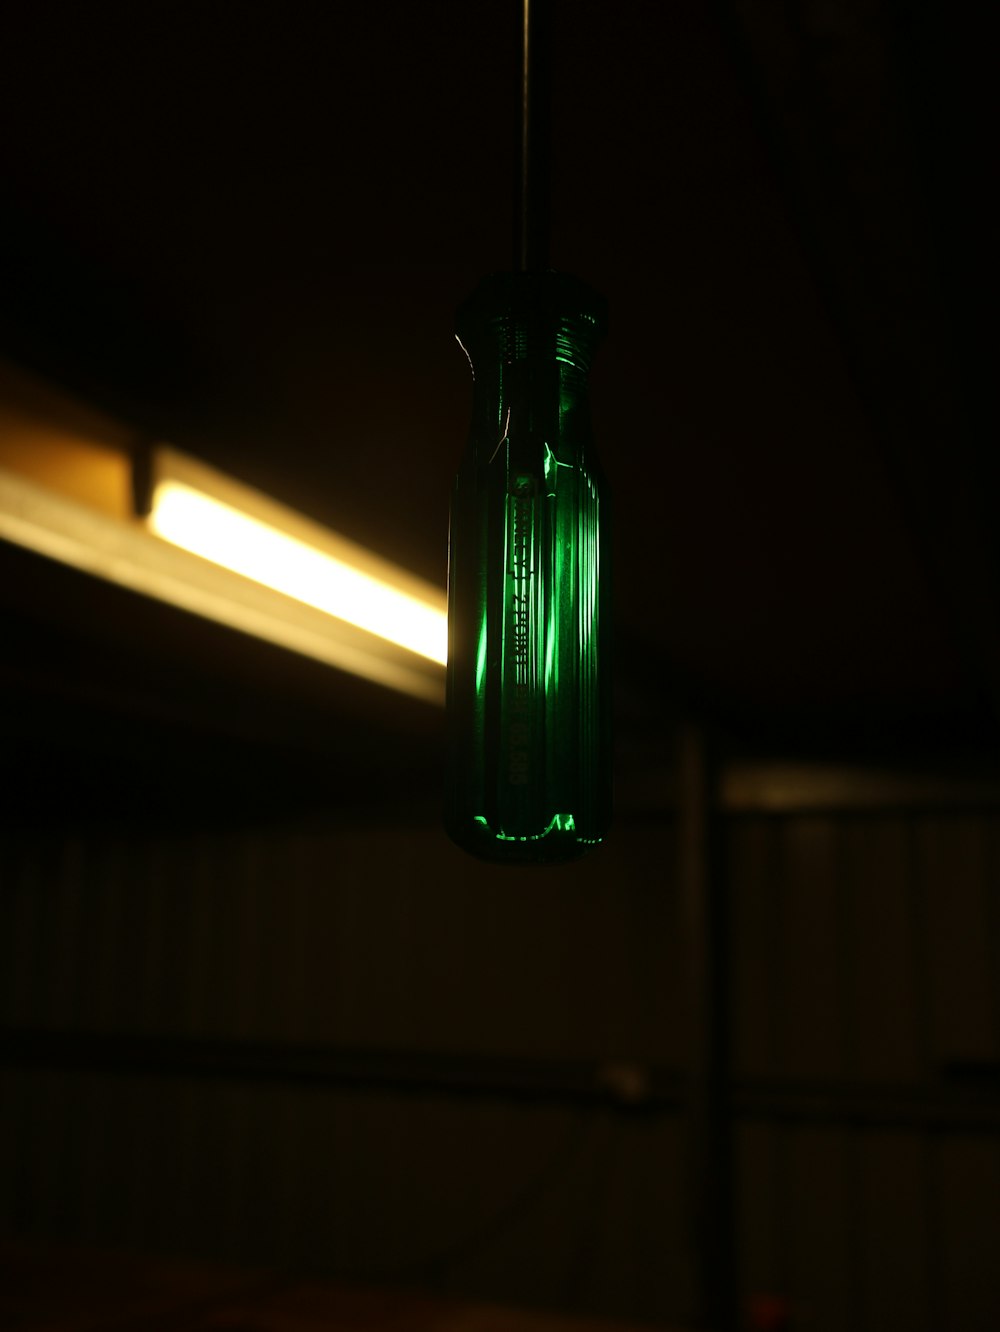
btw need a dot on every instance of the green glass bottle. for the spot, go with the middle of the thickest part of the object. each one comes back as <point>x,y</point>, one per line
<point>529,682</point>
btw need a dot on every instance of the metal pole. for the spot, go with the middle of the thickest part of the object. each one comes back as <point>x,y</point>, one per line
<point>531,212</point>
<point>708,1110</point>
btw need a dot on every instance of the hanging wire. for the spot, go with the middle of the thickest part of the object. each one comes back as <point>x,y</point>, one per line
<point>531,212</point>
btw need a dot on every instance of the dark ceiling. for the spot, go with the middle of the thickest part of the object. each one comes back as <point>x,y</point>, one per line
<point>246,227</point>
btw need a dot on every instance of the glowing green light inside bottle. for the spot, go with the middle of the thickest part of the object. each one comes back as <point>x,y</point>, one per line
<point>529,585</point>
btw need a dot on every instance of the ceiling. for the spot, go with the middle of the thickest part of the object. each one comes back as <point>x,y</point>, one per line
<point>246,227</point>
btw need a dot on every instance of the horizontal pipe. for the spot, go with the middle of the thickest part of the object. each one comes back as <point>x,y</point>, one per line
<point>775,787</point>
<point>769,786</point>
<point>574,1081</point>
<point>956,1103</point>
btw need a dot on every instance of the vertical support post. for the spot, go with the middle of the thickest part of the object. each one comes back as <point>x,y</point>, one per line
<point>709,1149</point>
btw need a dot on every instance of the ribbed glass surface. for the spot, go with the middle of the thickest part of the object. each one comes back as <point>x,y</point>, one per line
<point>529,582</point>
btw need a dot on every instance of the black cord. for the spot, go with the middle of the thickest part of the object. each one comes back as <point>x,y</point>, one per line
<point>531,213</point>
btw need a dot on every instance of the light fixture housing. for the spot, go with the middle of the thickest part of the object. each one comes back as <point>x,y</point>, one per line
<point>70,491</point>
<point>229,524</point>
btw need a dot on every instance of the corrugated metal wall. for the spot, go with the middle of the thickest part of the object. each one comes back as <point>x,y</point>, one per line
<point>864,954</point>
<point>373,938</point>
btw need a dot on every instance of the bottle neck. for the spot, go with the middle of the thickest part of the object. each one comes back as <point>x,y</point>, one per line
<point>529,403</point>
<point>530,339</point>
<point>543,319</point>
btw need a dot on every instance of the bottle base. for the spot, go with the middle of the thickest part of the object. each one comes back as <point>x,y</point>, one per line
<point>557,842</point>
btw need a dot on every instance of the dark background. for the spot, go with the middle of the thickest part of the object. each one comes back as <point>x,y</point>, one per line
<point>245,228</point>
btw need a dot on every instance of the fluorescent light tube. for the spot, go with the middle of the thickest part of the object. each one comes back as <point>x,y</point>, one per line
<point>224,551</point>
<point>210,515</point>
<point>217,532</point>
